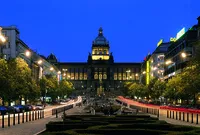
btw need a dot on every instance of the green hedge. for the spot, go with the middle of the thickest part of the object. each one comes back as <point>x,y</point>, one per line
<point>123,124</point>
<point>120,131</point>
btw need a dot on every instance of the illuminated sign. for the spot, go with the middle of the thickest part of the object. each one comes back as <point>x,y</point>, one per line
<point>160,42</point>
<point>180,33</point>
<point>147,72</point>
<point>172,39</point>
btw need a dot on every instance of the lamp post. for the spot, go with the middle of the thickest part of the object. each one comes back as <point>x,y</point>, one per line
<point>169,62</point>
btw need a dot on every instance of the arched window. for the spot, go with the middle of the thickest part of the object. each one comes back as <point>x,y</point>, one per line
<point>95,76</point>
<point>100,76</point>
<point>104,76</point>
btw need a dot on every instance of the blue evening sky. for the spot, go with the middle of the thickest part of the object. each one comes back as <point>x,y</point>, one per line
<point>68,27</point>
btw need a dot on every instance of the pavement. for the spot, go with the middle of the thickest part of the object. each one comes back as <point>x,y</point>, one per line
<point>30,128</point>
<point>37,126</point>
<point>175,122</point>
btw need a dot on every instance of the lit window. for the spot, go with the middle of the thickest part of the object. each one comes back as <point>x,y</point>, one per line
<point>72,76</point>
<point>95,76</point>
<point>100,76</point>
<point>85,76</point>
<point>80,76</point>
<point>119,76</point>
<point>124,76</point>
<point>104,76</point>
<point>115,76</point>
<point>76,76</point>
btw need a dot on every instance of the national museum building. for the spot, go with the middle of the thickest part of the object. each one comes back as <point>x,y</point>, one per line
<point>100,72</point>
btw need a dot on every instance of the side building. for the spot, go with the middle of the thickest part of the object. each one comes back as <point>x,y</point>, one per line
<point>15,47</point>
<point>157,60</point>
<point>153,64</point>
<point>180,52</point>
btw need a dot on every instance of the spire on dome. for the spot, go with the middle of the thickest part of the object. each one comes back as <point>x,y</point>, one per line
<point>100,31</point>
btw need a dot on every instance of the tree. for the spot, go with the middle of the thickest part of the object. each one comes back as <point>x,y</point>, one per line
<point>158,89</point>
<point>151,86</point>
<point>191,82</point>
<point>15,75</point>
<point>43,85</point>
<point>34,91</point>
<point>65,88</point>
<point>52,87</point>
<point>135,89</point>
<point>4,81</point>
<point>20,75</point>
<point>175,88</point>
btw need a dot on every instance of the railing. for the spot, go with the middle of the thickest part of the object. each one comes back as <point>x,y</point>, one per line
<point>17,118</point>
<point>56,111</point>
<point>61,109</point>
<point>181,114</point>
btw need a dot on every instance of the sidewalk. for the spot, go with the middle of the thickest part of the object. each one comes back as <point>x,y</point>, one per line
<point>34,127</point>
<point>29,128</point>
<point>173,121</point>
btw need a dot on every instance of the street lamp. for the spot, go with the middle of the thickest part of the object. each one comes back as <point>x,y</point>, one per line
<point>59,72</point>
<point>27,53</point>
<point>183,55</point>
<point>39,62</point>
<point>2,40</point>
<point>51,69</point>
<point>155,68</point>
<point>168,62</point>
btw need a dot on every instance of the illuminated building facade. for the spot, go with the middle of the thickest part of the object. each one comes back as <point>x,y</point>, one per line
<point>100,70</point>
<point>157,60</point>
<point>179,52</point>
<point>15,47</point>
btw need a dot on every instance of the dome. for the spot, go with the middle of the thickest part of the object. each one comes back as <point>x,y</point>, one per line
<point>52,58</point>
<point>100,39</point>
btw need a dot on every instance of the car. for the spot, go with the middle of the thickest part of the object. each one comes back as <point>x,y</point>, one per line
<point>39,107</point>
<point>33,107</point>
<point>3,110</point>
<point>21,108</point>
<point>30,107</point>
<point>12,109</point>
<point>68,99</point>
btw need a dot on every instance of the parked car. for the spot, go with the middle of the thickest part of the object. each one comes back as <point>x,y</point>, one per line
<point>33,107</point>
<point>20,107</point>
<point>3,110</point>
<point>29,107</point>
<point>12,109</point>
<point>39,107</point>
